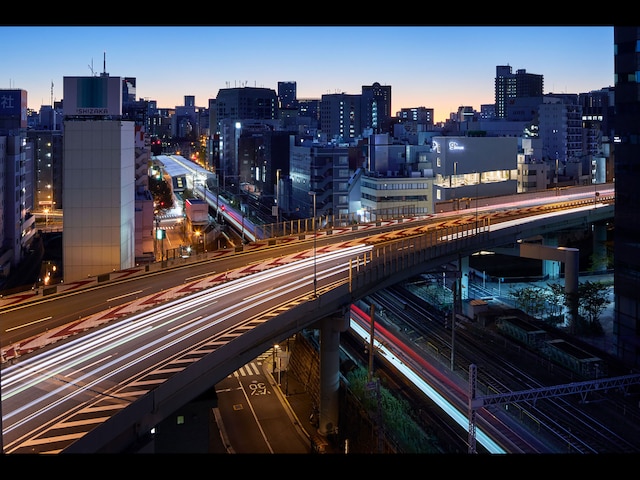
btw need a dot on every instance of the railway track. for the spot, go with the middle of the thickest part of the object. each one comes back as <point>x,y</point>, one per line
<point>562,424</point>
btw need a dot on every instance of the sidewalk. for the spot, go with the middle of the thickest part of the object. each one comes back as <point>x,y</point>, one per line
<point>298,402</point>
<point>291,392</point>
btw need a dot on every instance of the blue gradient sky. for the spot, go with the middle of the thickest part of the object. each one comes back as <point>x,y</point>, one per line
<point>430,66</point>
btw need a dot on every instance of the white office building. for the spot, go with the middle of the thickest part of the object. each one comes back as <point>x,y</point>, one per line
<point>98,179</point>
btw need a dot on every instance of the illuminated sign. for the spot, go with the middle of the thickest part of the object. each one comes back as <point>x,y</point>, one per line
<point>92,96</point>
<point>13,103</point>
<point>453,146</point>
<point>92,111</point>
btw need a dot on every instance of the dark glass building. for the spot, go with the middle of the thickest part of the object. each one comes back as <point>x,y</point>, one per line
<point>510,86</point>
<point>376,107</point>
<point>627,211</point>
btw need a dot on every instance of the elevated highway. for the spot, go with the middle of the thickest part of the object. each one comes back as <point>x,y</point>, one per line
<point>399,250</point>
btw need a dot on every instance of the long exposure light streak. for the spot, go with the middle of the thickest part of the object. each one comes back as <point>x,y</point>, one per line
<point>99,347</point>
<point>428,390</point>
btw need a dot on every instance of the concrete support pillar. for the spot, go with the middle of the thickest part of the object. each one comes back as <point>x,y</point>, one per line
<point>463,266</point>
<point>330,371</point>
<point>599,247</point>
<point>551,267</point>
<point>571,259</point>
<point>571,281</point>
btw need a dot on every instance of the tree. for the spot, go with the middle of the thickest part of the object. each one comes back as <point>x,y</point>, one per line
<point>556,302</point>
<point>531,300</point>
<point>162,194</point>
<point>592,301</point>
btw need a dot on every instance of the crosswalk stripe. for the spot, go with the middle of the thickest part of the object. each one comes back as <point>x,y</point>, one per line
<point>246,370</point>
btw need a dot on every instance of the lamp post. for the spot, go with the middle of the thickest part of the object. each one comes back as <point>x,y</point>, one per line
<point>50,188</point>
<point>315,283</point>
<point>273,367</point>
<point>595,183</point>
<point>217,198</point>
<point>197,234</point>
<point>478,176</point>
<point>453,322</point>
<point>278,200</point>
<point>453,192</point>
<point>46,217</point>
<point>242,228</point>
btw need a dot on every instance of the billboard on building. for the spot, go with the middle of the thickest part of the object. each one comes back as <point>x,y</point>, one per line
<point>92,96</point>
<point>13,108</point>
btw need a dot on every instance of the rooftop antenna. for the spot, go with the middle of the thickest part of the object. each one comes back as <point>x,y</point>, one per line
<point>91,68</point>
<point>104,64</point>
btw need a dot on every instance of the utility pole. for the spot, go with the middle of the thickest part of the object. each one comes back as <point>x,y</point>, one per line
<point>477,183</point>
<point>371,344</point>
<point>315,279</point>
<point>373,387</point>
<point>456,290</point>
<point>278,201</point>
<point>453,321</point>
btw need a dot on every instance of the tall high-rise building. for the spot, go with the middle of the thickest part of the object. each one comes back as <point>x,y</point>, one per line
<point>560,128</point>
<point>509,86</point>
<point>17,225</point>
<point>98,179</point>
<point>287,95</point>
<point>627,172</point>
<point>341,116</point>
<point>47,159</point>
<point>421,115</point>
<point>376,107</point>
<point>234,107</point>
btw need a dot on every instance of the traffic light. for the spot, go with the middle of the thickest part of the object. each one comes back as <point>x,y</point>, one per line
<point>222,208</point>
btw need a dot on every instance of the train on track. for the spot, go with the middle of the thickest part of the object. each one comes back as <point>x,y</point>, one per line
<point>557,350</point>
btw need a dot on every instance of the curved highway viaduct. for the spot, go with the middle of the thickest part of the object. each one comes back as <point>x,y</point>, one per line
<point>396,256</point>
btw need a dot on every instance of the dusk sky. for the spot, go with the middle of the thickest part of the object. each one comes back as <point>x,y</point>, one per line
<point>439,67</point>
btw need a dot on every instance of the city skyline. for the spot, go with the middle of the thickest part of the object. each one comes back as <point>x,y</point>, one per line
<point>439,67</point>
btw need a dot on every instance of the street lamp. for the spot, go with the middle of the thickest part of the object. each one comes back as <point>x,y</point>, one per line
<point>595,183</point>
<point>478,176</point>
<point>278,199</point>
<point>453,322</point>
<point>453,193</point>
<point>50,188</point>
<point>273,367</point>
<point>197,233</point>
<point>242,227</point>
<point>217,198</point>
<point>315,282</point>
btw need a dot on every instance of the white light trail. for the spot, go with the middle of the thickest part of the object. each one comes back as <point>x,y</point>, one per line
<point>428,390</point>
